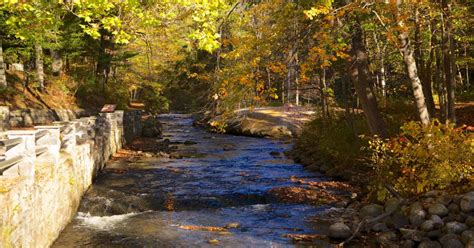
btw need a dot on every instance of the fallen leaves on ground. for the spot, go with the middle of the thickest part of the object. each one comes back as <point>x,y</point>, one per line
<point>305,237</point>
<point>204,228</point>
<point>303,195</point>
<point>325,185</point>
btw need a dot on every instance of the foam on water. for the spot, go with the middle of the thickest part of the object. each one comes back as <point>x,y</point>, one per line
<point>104,223</point>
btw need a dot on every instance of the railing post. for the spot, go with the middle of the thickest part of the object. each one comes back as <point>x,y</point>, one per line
<point>26,168</point>
<point>68,136</point>
<point>4,118</point>
<point>52,142</point>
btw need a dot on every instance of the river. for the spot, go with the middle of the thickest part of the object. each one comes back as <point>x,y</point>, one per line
<point>222,180</point>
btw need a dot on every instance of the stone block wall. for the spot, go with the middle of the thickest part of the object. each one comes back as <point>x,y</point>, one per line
<point>44,172</point>
<point>31,117</point>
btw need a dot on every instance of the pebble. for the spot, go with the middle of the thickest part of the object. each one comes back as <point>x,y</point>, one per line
<point>339,231</point>
<point>438,209</point>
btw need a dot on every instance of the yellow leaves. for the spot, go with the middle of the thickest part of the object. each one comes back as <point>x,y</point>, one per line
<point>316,11</point>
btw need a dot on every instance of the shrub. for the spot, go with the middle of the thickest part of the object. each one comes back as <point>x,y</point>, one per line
<point>422,158</point>
<point>333,145</point>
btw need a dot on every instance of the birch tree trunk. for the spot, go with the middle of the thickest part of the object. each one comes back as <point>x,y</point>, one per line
<point>410,63</point>
<point>3,77</point>
<point>57,64</point>
<point>359,73</point>
<point>39,65</point>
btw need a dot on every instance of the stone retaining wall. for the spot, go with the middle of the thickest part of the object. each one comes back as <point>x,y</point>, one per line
<point>31,117</point>
<point>45,171</point>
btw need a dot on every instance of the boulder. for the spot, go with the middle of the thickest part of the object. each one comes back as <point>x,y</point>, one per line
<point>429,244</point>
<point>417,214</point>
<point>455,227</point>
<point>427,225</point>
<point>437,221</point>
<point>438,209</point>
<point>467,202</point>
<point>386,239</point>
<point>454,208</point>
<point>151,128</point>
<point>452,243</point>
<point>339,231</point>
<point>371,210</point>
<point>380,227</point>
<point>391,204</point>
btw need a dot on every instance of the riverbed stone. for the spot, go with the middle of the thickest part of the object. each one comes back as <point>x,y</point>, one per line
<point>451,243</point>
<point>412,234</point>
<point>434,234</point>
<point>454,208</point>
<point>438,209</point>
<point>427,225</point>
<point>417,214</point>
<point>467,202</point>
<point>455,227</point>
<point>437,221</point>
<point>429,244</point>
<point>391,204</point>
<point>380,227</point>
<point>371,210</point>
<point>387,238</point>
<point>397,220</point>
<point>339,231</point>
<point>445,199</point>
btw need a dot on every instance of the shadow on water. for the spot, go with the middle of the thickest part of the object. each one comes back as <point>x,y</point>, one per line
<point>224,179</point>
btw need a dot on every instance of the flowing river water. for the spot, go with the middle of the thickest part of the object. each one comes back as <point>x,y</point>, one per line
<point>224,179</point>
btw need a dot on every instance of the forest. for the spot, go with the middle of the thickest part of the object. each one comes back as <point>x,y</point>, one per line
<point>390,80</point>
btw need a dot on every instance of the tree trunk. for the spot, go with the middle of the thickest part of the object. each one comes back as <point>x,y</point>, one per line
<point>3,77</point>
<point>57,65</point>
<point>359,73</point>
<point>420,65</point>
<point>410,63</point>
<point>39,65</point>
<point>448,54</point>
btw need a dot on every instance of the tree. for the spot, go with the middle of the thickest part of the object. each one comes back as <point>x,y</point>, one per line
<point>359,74</point>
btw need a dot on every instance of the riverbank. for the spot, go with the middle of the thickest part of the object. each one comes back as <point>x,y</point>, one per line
<point>270,122</point>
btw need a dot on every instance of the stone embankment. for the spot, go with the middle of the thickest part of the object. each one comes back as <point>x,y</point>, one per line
<point>437,220</point>
<point>30,117</point>
<point>45,170</point>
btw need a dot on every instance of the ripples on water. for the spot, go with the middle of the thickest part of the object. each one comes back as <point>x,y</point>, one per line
<point>224,181</point>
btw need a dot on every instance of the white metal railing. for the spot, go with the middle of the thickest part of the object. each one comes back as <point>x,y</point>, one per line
<point>21,150</point>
